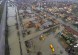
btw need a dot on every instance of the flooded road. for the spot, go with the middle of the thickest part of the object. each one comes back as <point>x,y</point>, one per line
<point>11,15</point>
<point>13,38</point>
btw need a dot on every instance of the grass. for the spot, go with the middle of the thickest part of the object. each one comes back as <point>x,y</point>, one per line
<point>1,11</point>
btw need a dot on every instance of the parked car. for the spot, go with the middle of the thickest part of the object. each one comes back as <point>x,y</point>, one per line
<point>52,48</point>
<point>42,37</point>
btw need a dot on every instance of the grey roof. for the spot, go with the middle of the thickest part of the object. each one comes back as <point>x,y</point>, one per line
<point>47,23</point>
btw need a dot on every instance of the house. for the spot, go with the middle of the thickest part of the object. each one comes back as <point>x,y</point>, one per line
<point>69,29</point>
<point>47,24</point>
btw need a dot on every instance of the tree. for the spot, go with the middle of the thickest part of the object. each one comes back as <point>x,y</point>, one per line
<point>39,53</point>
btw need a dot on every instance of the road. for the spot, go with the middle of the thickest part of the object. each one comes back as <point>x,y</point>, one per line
<point>13,38</point>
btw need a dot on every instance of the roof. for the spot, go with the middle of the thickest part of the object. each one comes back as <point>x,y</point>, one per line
<point>47,23</point>
<point>69,29</point>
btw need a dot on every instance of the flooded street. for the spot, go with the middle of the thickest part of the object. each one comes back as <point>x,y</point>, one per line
<point>11,16</point>
<point>13,38</point>
<point>40,28</point>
